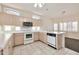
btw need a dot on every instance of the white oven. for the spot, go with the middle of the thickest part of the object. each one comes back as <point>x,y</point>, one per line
<point>28,37</point>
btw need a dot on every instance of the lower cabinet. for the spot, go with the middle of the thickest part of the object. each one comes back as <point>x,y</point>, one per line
<point>72,43</point>
<point>18,39</point>
<point>43,37</point>
<point>35,36</point>
<point>59,41</point>
<point>15,39</point>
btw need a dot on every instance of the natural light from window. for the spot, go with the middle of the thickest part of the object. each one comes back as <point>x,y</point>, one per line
<point>55,27</point>
<point>7,28</point>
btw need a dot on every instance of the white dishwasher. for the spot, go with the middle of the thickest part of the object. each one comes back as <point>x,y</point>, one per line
<point>51,39</point>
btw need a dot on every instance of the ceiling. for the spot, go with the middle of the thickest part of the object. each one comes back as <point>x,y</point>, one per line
<point>50,9</point>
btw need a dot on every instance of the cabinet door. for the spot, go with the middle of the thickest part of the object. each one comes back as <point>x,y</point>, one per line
<point>15,20</point>
<point>18,39</point>
<point>6,19</point>
<point>43,37</point>
<point>35,36</point>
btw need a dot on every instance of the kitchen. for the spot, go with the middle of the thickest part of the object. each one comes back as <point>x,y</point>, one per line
<point>24,28</point>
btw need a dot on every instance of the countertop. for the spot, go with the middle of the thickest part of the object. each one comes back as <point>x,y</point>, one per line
<point>52,32</point>
<point>4,36</point>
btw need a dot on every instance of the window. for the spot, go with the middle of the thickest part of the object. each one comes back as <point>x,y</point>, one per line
<point>75,26</point>
<point>12,11</point>
<point>64,26</point>
<point>7,28</point>
<point>69,26</point>
<point>55,27</point>
<point>61,26</point>
<point>50,27</point>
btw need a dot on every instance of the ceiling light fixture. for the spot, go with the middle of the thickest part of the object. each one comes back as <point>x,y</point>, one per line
<point>40,5</point>
<point>36,17</point>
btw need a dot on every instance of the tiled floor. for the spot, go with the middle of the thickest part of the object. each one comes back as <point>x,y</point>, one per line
<point>39,48</point>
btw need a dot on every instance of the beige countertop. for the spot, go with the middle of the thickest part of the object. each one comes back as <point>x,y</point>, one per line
<point>4,36</point>
<point>52,32</point>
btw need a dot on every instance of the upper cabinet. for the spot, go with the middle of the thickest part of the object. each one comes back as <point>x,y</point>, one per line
<point>17,20</point>
<point>5,19</point>
<point>13,16</point>
<point>8,19</point>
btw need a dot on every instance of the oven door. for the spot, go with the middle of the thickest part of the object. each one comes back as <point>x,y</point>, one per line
<point>28,38</point>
